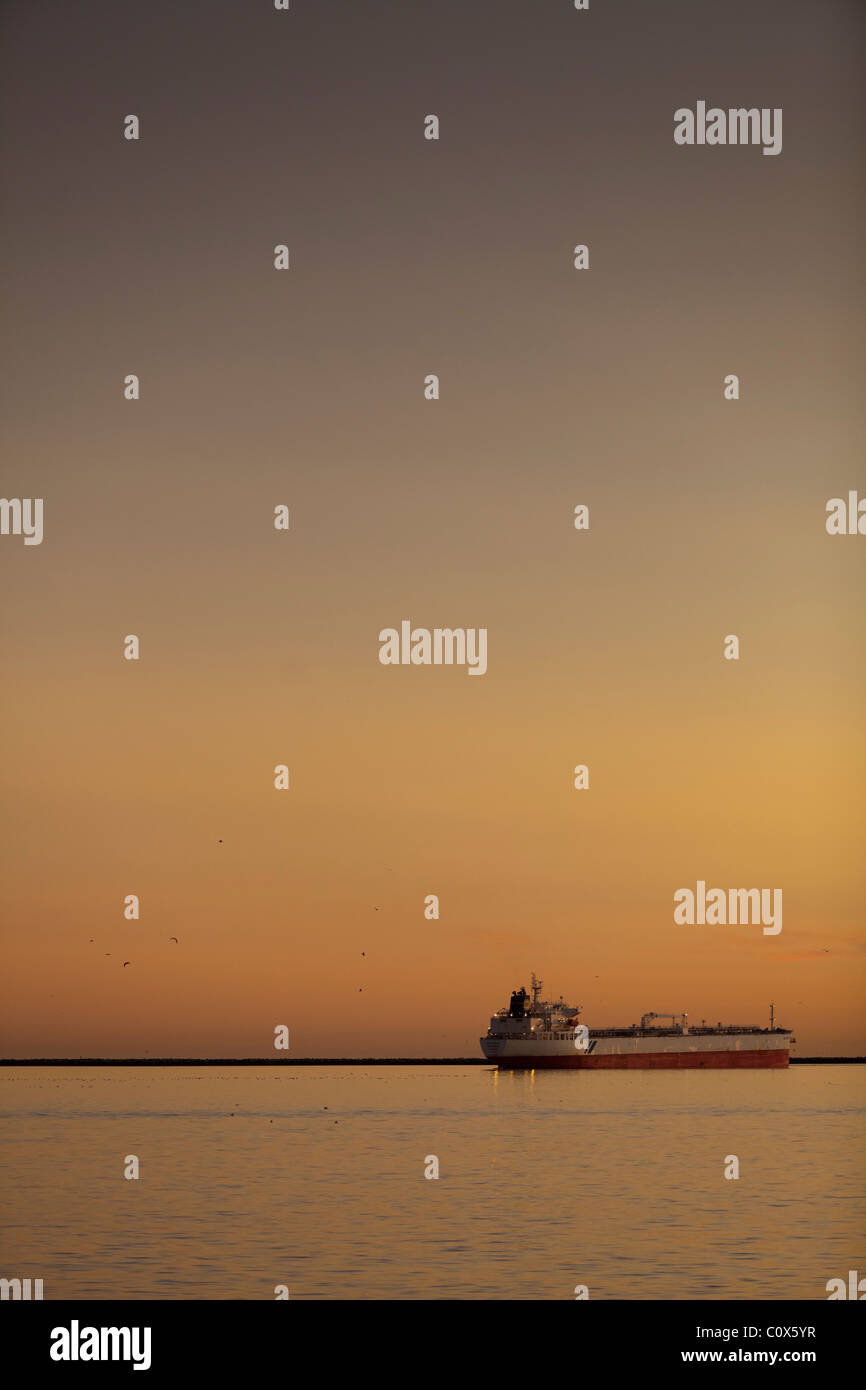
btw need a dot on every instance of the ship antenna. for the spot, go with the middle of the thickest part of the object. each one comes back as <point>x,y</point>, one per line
<point>537,986</point>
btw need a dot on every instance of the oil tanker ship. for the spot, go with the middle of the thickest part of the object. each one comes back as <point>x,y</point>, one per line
<point>541,1033</point>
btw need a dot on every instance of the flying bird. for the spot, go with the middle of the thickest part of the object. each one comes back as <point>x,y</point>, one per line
<point>126,963</point>
<point>174,938</point>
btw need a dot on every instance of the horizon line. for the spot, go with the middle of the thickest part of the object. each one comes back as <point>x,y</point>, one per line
<point>297,1061</point>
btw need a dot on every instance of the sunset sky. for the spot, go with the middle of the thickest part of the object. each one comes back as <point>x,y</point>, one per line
<point>306,388</point>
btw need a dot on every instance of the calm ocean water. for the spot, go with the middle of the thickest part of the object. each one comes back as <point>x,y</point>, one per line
<point>314,1178</point>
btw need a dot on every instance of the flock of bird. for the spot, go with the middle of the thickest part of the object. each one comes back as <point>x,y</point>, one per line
<point>129,962</point>
<point>174,938</point>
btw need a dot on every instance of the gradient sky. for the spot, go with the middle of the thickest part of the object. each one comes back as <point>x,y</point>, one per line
<point>306,388</point>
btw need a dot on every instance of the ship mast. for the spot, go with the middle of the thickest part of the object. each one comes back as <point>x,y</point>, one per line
<point>537,986</point>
